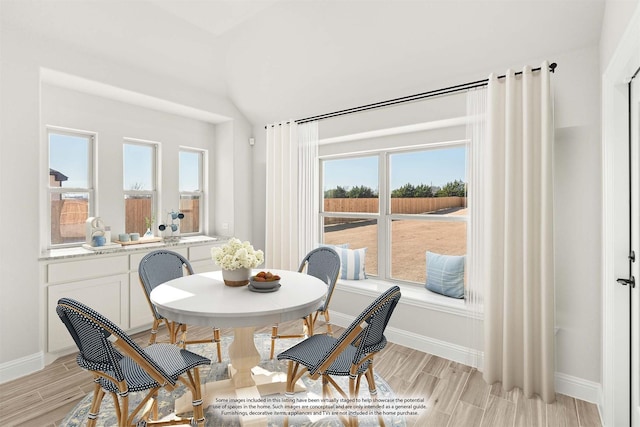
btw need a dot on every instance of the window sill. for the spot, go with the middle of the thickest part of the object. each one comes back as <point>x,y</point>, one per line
<point>411,295</point>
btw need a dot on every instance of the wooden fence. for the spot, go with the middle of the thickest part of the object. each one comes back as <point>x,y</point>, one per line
<point>408,205</point>
<point>69,216</point>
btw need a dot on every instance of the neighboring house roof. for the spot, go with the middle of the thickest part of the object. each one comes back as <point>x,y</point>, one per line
<point>58,175</point>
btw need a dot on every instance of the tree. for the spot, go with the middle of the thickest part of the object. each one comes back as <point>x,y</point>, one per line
<point>423,190</point>
<point>455,188</point>
<point>336,193</point>
<point>362,192</point>
<point>407,190</point>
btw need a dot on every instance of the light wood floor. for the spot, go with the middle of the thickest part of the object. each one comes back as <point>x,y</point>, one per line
<point>455,394</point>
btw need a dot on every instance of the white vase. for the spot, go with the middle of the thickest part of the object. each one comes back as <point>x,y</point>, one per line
<point>237,277</point>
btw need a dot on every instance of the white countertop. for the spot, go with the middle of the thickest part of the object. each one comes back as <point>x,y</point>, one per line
<point>79,251</point>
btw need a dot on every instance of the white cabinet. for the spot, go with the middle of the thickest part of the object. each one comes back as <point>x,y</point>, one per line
<point>108,283</point>
<point>139,310</point>
<point>200,259</point>
<point>107,295</point>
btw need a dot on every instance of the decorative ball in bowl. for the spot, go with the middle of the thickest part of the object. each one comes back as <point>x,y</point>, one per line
<point>264,280</point>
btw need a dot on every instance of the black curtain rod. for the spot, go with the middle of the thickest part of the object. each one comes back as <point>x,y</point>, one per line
<point>409,98</point>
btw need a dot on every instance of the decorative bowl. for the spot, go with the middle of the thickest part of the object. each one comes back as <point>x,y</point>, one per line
<point>263,285</point>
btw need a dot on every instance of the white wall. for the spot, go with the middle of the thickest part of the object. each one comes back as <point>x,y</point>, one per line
<point>576,86</point>
<point>615,21</point>
<point>23,55</point>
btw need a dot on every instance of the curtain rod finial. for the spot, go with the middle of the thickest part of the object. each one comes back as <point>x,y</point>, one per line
<point>552,67</point>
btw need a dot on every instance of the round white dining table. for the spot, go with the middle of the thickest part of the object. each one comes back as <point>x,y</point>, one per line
<point>203,299</point>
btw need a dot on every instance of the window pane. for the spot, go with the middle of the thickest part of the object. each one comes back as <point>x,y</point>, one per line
<point>138,167</point>
<point>358,233</point>
<point>190,207</point>
<point>410,241</point>
<point>432,181</point>
<point>190,170</point>
<point>351,185</point>
<point>69,213</point>
<point>137,208</point>
<point>69,161</point>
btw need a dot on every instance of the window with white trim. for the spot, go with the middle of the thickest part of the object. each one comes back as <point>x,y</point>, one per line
<point>191,188</point>
<point>71,185</point>
<point>399,204</point>
<point>139,185</point>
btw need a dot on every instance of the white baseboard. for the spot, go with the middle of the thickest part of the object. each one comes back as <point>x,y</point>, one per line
<point>565,384</point>
<point>579,388</point>
<point>21,367</point>
<point>446,350</point>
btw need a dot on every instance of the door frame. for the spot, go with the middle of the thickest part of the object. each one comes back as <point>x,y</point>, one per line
<point>615,400</point>
<point>634,267</point>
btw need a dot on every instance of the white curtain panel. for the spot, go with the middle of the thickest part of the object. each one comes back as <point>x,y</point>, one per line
<point>517,221</point>
<point>308,186</point>
<point>291,186</point>
<point>476,137</point>
<point>282,197</point>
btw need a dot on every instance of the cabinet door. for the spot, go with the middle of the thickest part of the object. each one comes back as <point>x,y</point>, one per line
<point>107,295</point>
<point>200,259</point>
<point>139,310</point>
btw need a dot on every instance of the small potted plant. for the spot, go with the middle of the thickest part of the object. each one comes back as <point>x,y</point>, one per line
<point>236,258</point>
<point>148,222</point>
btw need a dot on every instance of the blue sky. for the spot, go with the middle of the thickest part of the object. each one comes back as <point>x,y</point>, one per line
<point>69,155</point>
<point>431,167</point>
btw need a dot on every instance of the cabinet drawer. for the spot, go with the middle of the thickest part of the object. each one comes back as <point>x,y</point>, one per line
<point>86,269</point>
<point>199,253</point>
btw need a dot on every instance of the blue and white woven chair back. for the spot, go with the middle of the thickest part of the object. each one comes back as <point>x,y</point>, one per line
<point>91,331</point>
<point>323,263</point>
<point>371,339</point>
<point>160,266</point>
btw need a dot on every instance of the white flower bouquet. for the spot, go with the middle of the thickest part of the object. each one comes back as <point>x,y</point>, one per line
<point>236,254</point>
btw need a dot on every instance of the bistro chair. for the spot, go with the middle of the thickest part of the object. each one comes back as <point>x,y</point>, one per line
<point>158,267</point>
<point>120,366</point>
<point>323,356</point>
<point>323,263</point>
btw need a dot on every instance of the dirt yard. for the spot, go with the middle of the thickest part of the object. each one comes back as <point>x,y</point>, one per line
<point>410,242</point>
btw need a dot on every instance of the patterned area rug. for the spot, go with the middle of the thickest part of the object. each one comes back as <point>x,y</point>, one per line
<point>217,416</point>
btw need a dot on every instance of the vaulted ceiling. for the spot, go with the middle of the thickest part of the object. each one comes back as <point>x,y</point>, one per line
<point>280,59</point>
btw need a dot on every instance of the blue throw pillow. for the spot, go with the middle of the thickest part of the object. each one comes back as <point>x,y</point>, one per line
<point>445,274</point>
<point>352,263</point>
<point>343,245</point>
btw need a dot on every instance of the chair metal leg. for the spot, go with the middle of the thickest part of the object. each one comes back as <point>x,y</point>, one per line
<point>216,339</point>
<point>373,391</point>
<point>198,410</point>
<point>328,322</point>
<point>181,330</point>
<point>94,412</point>
<point>154,331</point>
<point>274,337</point>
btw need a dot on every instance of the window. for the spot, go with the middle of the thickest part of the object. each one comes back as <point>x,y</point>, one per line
<point>191,190</point>
<point>399,205</point>
<point>351,205</point>
<point>71,185</point>
<point>139,166</point>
